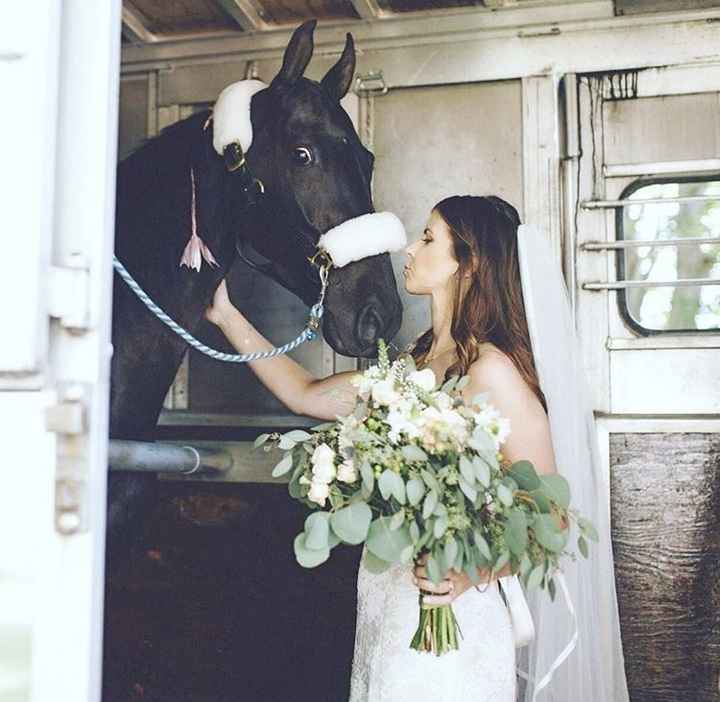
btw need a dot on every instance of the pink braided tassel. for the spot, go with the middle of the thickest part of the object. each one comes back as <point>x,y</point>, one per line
<point>196,250</point>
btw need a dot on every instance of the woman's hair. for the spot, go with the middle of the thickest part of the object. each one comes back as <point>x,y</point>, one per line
<point>489,308</point>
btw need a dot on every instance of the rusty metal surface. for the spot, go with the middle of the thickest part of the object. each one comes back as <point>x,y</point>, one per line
<point>666,537</point>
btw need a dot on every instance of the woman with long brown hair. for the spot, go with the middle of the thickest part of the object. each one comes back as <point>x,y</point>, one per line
<point>466,261</point>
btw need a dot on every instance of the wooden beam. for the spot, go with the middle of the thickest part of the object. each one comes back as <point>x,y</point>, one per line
<point>133,27</point>
<point>367,9</point>
<point>249,16</point>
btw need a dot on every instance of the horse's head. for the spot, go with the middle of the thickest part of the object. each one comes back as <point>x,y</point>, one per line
<point>316,174</point>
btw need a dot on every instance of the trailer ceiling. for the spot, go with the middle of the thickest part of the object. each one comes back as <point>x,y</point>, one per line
<point>152,21</point>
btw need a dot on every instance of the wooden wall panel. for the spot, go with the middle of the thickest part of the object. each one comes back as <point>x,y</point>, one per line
<point>666,536</point>
<point>182,16</point>
<point>418,5</point>
<point>296,11</point>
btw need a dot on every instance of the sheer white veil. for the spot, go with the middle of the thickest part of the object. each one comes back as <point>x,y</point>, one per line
<point>594,670</point>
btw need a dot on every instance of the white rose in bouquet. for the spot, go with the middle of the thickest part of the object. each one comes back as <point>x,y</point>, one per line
<point>323,462</point>
<point>319,492</point>
<point>346,472</point>
<point>384,393</point>
<point>424,379</point>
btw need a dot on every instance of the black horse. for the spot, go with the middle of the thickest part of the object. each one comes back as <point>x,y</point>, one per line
<point>316,174</point>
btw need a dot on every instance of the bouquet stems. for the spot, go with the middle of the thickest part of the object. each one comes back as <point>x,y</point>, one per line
<point>437,630</point>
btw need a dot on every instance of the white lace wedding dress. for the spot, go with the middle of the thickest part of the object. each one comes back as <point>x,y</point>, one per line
<point>386,669</point>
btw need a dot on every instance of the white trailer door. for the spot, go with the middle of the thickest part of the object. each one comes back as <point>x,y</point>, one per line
<point>59,69</point>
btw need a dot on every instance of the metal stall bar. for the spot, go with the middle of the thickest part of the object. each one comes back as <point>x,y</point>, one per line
<point>611,204</point>
<point>632,244</point>
<point>624,284</point>
<point>148,457</point>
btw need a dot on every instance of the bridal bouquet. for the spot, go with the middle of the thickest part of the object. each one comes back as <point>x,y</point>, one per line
<point>414,471</point>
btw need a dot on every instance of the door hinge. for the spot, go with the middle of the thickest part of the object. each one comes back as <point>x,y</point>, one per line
<point>67,419</point>
<point>69,294</point>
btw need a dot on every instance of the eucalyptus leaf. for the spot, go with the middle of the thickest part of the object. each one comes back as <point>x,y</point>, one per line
<point>413,453</point>
<point>386,483</point>
<point>557,488</point>
<point>286,444</point>
<point>516,536</point>
<point>549,534</point>
<point>505,495</point>
<point>525,475</point>
<point>415,491</point>
<point>582,546</point>
<point>429,504</point>
<point>450,384</point>
<point>441,524</point>
<point>386,544</point>
<point>430,480</point>
<point>260,440</point>
<point>525,564</point>
<point>414,531</point>
<point>542,502</point>
<point>468,490</point>
<point>450,552</point>
<point>307,557</point>
<point>283,466</point>
<point>433,570</point>
<point>535,577</point>
<point>351,523</point>
<point>502,560</point>
<point>368,477</point>
<point>398,488</point>
<point>324,426</point>
<point>551,589</point>
<point>482,471</point>
<point>374,564</point>
<point>397,520</point>
<point>466,469</point>
<point>482,545</point>
<point>317,528</point>
<point>297,435</point>
<point>588,529</point>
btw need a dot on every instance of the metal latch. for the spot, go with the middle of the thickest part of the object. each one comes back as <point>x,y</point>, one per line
<point>372,82</point>
<point>67,419</point>
<point>69,294</point>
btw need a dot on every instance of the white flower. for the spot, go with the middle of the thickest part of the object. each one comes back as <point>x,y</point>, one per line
<point>363,382</point>
<point>503,429</point>
<point>319,493</point>
<point>323,461</point>
<point>443,401</point>
<point>346,472</point>
<point>424,378</point>
<point>384,393</point>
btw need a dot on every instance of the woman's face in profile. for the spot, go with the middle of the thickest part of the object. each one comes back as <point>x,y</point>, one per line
<point>431,261</point>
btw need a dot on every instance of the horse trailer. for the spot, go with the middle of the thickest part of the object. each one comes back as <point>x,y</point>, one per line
<point>599,120</point>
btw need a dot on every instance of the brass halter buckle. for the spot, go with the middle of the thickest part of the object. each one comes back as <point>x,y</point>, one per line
<point>233,156</point>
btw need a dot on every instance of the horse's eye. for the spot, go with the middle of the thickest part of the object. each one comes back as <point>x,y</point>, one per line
<point>303,156</point>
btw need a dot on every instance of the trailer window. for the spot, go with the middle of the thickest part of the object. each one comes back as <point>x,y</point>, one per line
<point>683,250</point>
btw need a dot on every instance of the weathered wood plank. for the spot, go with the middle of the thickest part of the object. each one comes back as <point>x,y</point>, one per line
<point>666,538</point>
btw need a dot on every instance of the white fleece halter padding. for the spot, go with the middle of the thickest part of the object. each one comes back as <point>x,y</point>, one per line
<point>360,237</point>
<point>231,115</point>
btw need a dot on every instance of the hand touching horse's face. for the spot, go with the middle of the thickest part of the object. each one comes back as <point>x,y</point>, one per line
<point>317,175</point>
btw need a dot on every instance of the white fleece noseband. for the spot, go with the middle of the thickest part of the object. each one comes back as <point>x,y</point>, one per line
<point>231,115</point>
<point>360,237</point>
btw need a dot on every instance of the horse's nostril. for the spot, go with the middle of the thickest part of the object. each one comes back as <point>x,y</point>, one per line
<point>369,325</point>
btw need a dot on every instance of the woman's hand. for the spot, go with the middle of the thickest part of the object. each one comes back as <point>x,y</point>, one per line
<point>221,308</point>
<point>454,585</point>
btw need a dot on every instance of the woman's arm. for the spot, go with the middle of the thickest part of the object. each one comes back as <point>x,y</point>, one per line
<point>295,387</point>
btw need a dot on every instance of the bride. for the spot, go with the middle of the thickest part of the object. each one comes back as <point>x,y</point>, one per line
<point>469,263</point>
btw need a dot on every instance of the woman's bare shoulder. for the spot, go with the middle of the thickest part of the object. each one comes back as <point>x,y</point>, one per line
<point>495,372</point>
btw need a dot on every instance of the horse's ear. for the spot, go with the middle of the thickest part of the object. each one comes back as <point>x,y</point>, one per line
<point>298,53</point>
<point>339,77</point>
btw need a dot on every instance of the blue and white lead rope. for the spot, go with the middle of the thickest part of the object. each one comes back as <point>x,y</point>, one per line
<point>308,334</point>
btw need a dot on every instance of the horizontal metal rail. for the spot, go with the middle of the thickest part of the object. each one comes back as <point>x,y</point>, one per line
<point>149,457</point>
<point>639,243</point>
<point>623,284</point>
<point>613,204</point>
